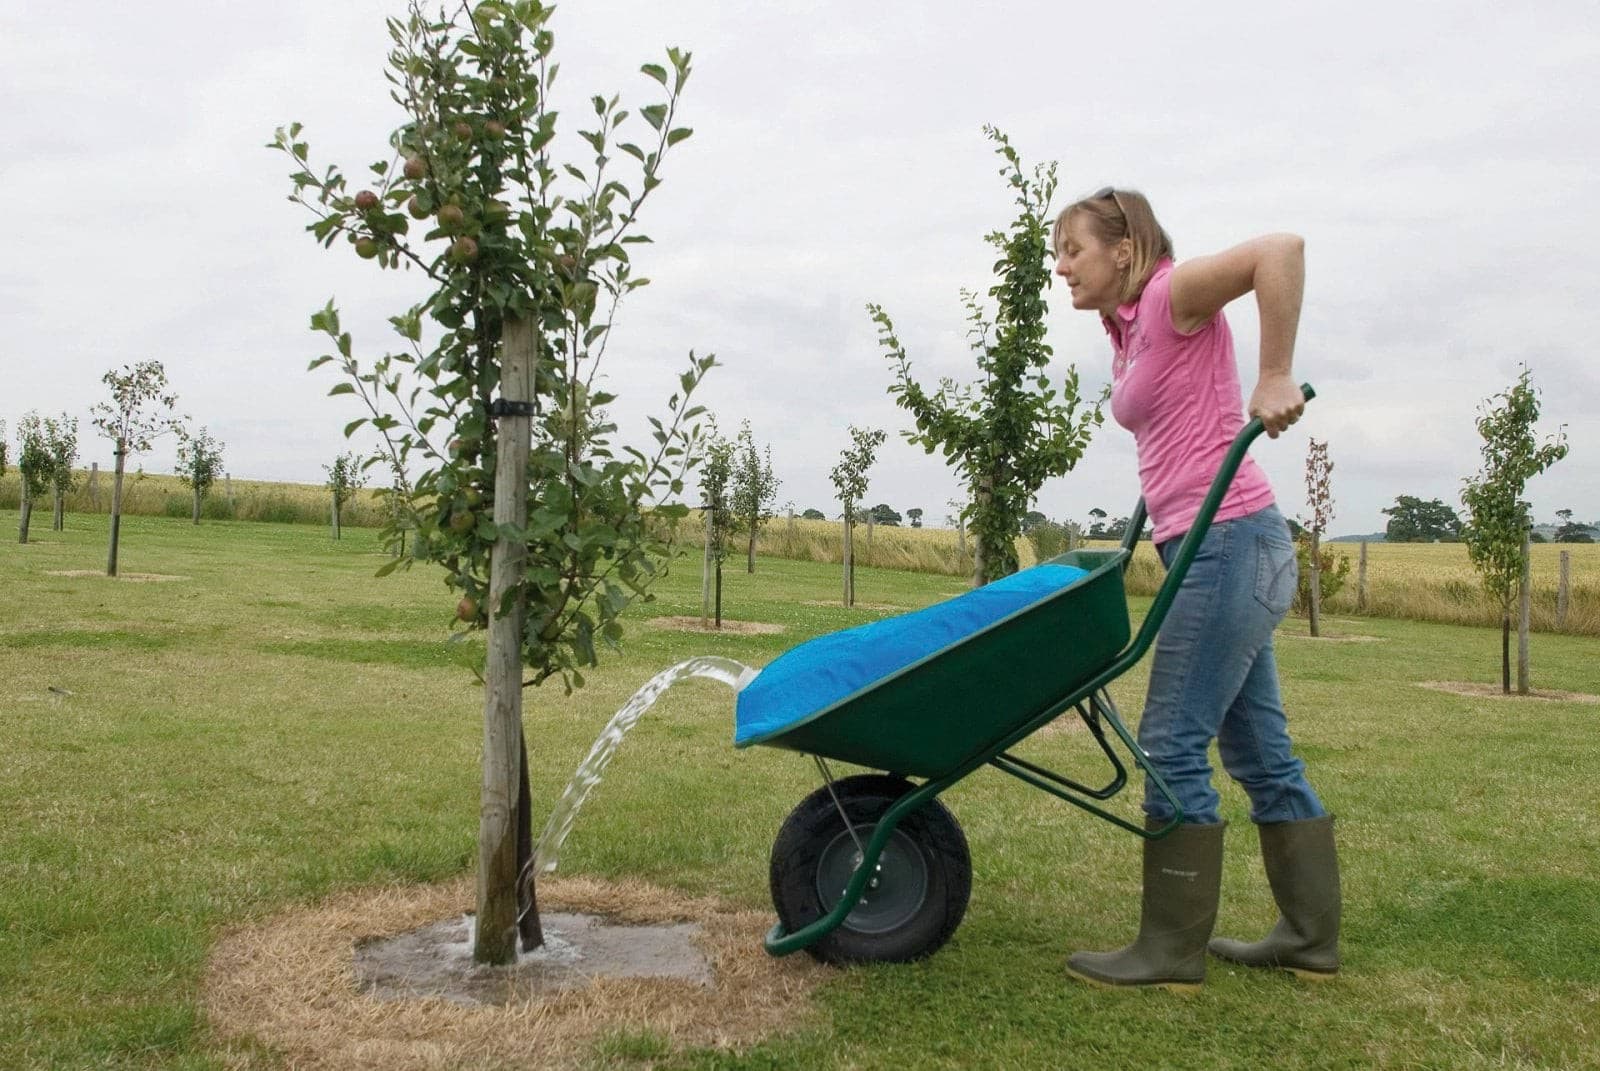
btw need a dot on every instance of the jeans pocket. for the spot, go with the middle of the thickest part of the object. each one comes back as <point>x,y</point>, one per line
<point>1277,574</point>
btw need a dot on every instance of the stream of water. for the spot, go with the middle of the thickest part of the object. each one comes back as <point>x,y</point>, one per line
<point>734,674</point>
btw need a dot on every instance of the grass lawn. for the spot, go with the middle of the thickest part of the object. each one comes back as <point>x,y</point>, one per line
<point>179,757</point>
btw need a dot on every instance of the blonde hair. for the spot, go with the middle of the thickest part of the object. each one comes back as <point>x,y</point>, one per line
<point>1113,215</point>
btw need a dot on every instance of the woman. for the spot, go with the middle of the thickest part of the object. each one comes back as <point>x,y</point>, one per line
<point>1176,387</point>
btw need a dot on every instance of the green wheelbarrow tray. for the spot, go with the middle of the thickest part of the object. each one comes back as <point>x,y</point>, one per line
<point>963,706</point>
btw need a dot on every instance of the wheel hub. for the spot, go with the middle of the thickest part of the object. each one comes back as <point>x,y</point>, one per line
<point>894,893</point>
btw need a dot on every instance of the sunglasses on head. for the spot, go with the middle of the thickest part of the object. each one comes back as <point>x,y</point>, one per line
<point>1110,192</point>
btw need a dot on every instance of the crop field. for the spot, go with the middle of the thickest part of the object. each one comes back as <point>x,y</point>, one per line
<point>249,722</point>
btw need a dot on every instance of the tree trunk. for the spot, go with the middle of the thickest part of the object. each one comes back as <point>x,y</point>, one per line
<point>1361,581</point>
<point>58,523</point>
<point>869,529</point>
<point>982,552</point>
<point>1316,583</point>
<point>116,509</point>
<point>94,486</point>
<point>849,565</point>
<point>529,927</point>
<point>27,512</point>
<point>1505,650</point>
<point>197,505</point>
<point>719,596</point>
<point>705,577</point>
<point>1561,590</point>
<point>1524,598</point>
<point>497,925</point>
<point>750,562</point>
<point>333,517</point>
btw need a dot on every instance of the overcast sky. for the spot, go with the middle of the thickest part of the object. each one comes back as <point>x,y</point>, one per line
<point>1439,159</point>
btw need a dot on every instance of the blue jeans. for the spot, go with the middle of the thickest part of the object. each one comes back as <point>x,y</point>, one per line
<point>1214,677</point>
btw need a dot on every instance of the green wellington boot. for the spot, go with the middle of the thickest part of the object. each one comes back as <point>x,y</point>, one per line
<point>1182,880</point>
<point>1303,870</point>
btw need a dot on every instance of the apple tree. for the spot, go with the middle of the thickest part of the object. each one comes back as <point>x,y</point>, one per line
<point>199,464</point>
<point>61,443</point>
<point>849,478</point>
<point>523,229</point>
<point>1013,430</point>
<point>140,412</point>
<point>33,467</point>
<point>755,490</point>
<point>345,477</point>
<point>1496,532</point>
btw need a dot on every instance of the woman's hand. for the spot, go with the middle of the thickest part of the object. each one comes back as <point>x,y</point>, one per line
<point>1278,402</point>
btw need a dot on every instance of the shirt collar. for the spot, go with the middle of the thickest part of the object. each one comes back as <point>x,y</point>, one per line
<point>1129,312</point>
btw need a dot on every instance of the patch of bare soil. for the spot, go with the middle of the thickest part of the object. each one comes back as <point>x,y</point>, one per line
<point>839,604</point>
<point>138,578</point>
<point>692,624</point>
<point>376,979</point>
<point>1476,690</point>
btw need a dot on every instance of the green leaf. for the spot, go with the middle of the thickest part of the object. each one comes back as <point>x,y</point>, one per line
<point>655,71</point>
<point>654,114</point>
<point>678,134</point>
<point>342,388</point>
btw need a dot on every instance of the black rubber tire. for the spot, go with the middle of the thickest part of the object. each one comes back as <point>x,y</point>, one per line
<point>927,849</point>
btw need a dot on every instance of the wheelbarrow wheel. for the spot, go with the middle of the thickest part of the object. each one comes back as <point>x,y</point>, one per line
<point>916,899</point>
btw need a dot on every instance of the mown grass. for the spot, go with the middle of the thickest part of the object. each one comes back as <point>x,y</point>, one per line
<point>281,725</point>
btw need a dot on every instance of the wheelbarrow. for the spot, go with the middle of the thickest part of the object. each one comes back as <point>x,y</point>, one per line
<point>873,867</point>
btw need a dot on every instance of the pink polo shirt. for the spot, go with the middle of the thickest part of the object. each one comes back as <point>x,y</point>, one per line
<point>1179,395</point>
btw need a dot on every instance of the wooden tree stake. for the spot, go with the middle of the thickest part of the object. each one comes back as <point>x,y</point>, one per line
<point>496,939</point>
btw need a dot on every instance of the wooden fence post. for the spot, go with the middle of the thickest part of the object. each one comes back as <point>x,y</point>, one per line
<point>1361,581</point>
<point>496,937</point>
<point>1561,590</point>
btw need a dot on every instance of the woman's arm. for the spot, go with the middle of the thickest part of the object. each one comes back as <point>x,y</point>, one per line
<point>1274,266</point>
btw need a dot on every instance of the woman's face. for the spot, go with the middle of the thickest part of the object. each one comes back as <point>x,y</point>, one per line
<point>1093,270</point>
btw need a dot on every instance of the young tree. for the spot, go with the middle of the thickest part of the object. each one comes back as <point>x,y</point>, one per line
<point>346,476</point>
<point>527,255</point>
<point>33,467</point>
<point>1411,520</point>
<point>850,480</point>
<point>1009,434</point>
<point>755,490</point>
<point>140,412</point>
<point>3,448</point>
<point>1319,496</point>
<point>716,473</point>
<point>61,444</point>
<point>199,464</point>
<point>1498,521</point>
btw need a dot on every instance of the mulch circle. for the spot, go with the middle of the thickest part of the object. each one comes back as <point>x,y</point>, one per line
<point>1478,690</point>
<point>692,624</point>
<point>138,578</point>
<point>292,984</point>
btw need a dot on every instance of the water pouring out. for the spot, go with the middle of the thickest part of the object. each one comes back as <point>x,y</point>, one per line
<point>546,855</point>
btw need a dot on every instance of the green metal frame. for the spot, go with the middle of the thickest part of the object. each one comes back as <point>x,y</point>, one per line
<point>1099,708</point>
